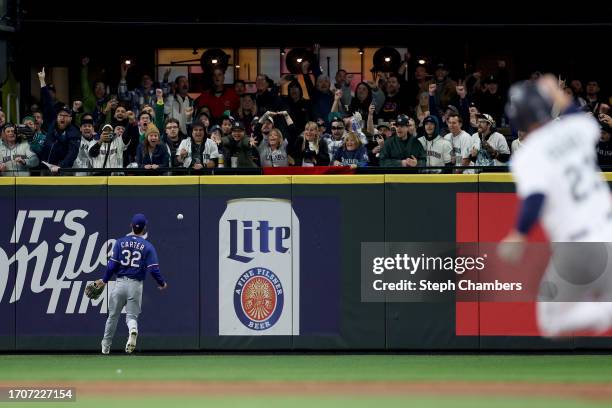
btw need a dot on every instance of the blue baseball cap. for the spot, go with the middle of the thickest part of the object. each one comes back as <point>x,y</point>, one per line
<point>139,221</point>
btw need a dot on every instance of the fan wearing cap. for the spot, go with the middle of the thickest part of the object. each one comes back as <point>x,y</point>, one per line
<point>62,142</point>
<point>437,149</point>
<point>16,157</point>
<point>197,151</point>
<point>83,161</point>
<point>107,152</point>
<point>239,149</point>
<point>403,149</point>
<point>493,149</point>
<point>151,154</point>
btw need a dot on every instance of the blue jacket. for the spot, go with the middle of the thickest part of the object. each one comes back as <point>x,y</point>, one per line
<point>61,147</point>
<point>160,156</point>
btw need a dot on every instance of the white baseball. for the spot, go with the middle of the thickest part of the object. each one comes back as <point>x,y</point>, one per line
<point>179,216</point>
<point>119,371</point>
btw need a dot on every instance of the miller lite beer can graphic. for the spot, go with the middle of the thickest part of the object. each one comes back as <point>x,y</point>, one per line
<point>259,275</point>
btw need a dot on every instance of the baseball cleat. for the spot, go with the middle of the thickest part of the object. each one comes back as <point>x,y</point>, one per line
<point>131,343</point>
<point>105,349</point>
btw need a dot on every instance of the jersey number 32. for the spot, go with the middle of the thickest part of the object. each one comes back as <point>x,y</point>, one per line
<point>130,258</point>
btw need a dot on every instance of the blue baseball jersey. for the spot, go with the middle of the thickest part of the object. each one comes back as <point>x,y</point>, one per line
<point>133,256</point>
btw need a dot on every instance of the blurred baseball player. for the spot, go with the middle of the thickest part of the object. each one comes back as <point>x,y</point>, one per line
<point>132,257</point>
<point>557,181</point>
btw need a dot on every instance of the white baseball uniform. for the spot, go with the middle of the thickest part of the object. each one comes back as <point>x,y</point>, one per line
<point>559,161</point>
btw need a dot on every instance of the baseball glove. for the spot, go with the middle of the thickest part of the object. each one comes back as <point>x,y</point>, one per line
<point>93,291</point>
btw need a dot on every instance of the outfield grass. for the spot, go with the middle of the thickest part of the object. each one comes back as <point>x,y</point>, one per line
<point>533,369</point>
<point>515,368</point>
<point>325,402</point>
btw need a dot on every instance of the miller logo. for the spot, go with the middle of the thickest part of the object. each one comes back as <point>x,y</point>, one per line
<point>279,235</point>
<point>258,298</point>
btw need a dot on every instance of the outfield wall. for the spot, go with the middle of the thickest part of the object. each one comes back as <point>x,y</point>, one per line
<point>298,236</point>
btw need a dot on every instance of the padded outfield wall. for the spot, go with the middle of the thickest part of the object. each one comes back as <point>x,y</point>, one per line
<point>297,239</point>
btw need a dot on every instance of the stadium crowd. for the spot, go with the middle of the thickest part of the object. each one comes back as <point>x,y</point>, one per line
<point>409,118</point>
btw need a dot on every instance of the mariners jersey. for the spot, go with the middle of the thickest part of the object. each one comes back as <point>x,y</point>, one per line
<point>462,144</point>
<point>438,151</point>
<point>133,256</point>
<point>559,161</point>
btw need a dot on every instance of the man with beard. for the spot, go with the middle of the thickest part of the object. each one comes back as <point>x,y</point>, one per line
<point>493,150</point>
<point>173,138</point>
<point>396,101</point>
<point>62,142</point>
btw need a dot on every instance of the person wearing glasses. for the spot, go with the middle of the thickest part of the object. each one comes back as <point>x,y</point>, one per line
<point>336,141</point>
<point>173,138</point>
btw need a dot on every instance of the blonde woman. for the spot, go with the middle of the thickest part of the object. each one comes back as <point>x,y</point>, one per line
<point>353,154</point>
<point>309,149</point>
<point>272,152</point>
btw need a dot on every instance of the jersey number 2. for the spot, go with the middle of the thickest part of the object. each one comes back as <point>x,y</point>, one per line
<point>131,258</point>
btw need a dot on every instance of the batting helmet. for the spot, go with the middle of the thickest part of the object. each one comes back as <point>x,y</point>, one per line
<point>528,105</point>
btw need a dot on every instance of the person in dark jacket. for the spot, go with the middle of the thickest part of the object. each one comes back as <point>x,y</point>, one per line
<point>403,149</point>
<point>604,147</point>
<point>239,149</point>
<point>299,108</point>
<point>151,153</point>
<point>309,150</point>
<point>173,138</point>
<point>62,142</point>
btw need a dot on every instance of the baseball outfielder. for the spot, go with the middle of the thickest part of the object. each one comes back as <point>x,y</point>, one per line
<point>132,257</point>
<point>558,181</point>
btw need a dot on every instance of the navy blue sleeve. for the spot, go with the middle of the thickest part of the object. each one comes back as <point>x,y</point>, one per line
<point>152,265</point>
<point>49,114</point>
<point>531,207</point>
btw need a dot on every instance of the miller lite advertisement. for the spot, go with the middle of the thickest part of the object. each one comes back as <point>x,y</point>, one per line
<point>259,268</point>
